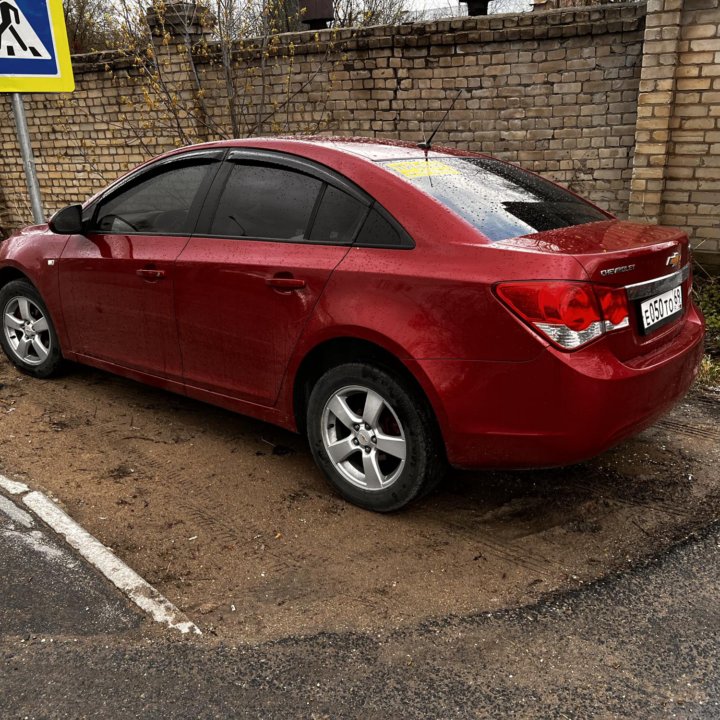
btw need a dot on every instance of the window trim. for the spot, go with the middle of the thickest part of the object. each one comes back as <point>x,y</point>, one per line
<point>304,166</point>
<point>144,173</point>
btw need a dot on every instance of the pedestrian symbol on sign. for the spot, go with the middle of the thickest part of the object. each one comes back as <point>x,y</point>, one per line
<point>17,37</point>
<point>34,52</point>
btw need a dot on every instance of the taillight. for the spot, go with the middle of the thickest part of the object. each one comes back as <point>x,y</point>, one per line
<point>569,314</point>
<point>614,304</point>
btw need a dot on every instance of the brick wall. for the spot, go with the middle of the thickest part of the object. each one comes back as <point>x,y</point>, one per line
<point>557,92</point>
<point>677,161</point>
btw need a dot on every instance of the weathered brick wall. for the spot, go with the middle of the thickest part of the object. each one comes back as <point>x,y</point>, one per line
<point>559,92</point>
<point>86,139</point>
<point>692,190</point>
<point>677,160</point>
<point>541,5</point>
<point>556,92</point>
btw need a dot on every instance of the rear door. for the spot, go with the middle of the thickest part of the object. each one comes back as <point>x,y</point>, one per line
<point>116,279</point>
<point>273,230</point>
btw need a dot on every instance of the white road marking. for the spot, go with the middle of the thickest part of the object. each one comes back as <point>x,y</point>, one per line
<point>13,487</point>
<point>124,578</point>
<point>15,514</point>
<point>38,542</point>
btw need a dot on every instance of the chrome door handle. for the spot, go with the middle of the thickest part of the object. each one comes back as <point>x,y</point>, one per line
<point>150,273</point>
<point>285,283</point>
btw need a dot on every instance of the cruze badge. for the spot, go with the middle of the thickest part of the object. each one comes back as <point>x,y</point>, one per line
<point>674,260</point>
<point>616,270</point>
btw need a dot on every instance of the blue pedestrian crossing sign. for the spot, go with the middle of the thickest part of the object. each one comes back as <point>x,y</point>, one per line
<point>34,52</point>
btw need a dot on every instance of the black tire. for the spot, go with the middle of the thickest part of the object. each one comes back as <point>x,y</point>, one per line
<point>412,426</point>
<point>38,363</point>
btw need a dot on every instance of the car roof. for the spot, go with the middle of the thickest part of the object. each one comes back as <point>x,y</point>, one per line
<point>328,150</point>
<point>373,149</point>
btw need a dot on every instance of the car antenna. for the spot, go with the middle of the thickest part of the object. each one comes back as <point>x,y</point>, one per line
<point>426,145</point>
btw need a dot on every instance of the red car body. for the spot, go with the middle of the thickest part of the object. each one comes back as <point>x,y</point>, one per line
<point>213,320</point>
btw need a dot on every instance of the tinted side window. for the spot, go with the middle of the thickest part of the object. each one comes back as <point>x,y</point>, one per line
<point>259,201</point>
<point>159,204</point>
<point>378,232</point>
<point>338,217</point>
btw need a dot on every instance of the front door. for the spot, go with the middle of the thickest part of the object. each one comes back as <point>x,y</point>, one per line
<point>117,279</point>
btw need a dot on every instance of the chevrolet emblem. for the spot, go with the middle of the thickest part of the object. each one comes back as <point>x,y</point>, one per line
<point>674,260</point>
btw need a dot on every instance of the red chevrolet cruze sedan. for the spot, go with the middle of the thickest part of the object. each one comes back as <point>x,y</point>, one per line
<point>405,308</point>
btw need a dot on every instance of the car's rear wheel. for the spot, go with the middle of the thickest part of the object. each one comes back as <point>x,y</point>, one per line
<point>28,336</point>
<point>374,436</point>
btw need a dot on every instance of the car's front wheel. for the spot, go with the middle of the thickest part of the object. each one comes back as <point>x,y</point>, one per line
<point>374,436</point>
<point>28,336</point>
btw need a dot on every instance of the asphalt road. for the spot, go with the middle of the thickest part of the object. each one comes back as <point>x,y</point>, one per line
<point>644,644</point>
<point>46,589</point>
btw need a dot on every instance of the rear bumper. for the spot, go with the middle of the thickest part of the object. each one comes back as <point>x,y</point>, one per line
<point>559,408</point>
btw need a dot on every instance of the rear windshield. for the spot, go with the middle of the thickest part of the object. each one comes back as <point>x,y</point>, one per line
<point>500,200</point>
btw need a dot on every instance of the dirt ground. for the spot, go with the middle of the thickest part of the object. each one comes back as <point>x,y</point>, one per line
<point>229,518</point>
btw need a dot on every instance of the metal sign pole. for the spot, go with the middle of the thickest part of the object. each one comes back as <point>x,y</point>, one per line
<point>28,158</point>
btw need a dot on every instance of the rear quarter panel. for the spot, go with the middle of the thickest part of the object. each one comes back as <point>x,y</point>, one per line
<point>424,304</point>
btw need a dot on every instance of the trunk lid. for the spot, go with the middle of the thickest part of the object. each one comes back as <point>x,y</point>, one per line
<point>630,255</point>
<point>613,252</point>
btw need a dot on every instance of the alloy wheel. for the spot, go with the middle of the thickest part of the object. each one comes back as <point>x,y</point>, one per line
<point>363,437</point>
<point>27,331</point>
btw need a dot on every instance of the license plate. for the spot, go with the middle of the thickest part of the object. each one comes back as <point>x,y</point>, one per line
<point>661,307</point>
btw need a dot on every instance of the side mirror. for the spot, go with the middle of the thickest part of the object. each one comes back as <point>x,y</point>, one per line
<point>67,221</point>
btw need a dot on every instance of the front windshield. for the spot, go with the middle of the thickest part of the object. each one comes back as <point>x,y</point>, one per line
<point>500,200</point>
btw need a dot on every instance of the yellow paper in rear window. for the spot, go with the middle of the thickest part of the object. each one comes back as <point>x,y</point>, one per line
<point>412,169</point>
